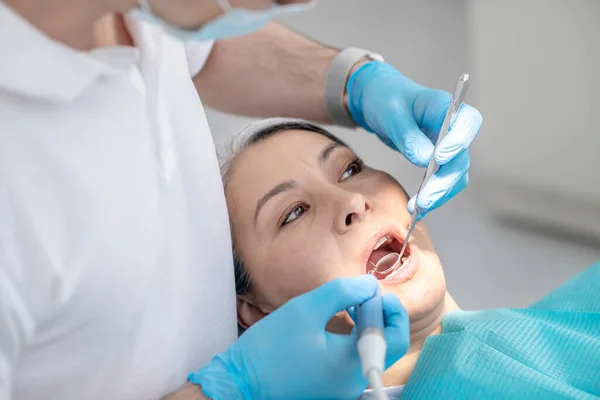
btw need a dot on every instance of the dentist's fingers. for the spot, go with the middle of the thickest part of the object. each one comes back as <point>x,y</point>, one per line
<point>460,136</point>
<point>460,185</point>
<point>381,99</point>
<point>353,313</point>
<point>338,295</point>
<point>411,142</point>
<point>397,330</point>
<point>445,184</point>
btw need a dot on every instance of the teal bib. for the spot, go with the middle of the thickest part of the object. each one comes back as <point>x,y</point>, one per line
<point>550,350</point>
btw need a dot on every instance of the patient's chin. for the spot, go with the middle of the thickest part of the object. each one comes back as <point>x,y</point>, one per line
<point>423,294</point>
<point>423,301</point>
<point>341,323</point>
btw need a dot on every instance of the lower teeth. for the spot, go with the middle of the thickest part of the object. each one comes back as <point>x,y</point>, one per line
<point>399,269</point>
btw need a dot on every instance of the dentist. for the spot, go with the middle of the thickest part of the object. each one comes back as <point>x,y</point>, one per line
<point>116,277</point>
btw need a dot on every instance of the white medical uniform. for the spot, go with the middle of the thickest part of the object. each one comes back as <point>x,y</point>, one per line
<point>116,275</point>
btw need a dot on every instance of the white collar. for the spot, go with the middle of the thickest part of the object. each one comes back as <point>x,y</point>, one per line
<point>34,65</point>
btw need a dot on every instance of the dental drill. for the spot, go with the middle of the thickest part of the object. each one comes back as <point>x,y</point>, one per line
<point>371,343</point>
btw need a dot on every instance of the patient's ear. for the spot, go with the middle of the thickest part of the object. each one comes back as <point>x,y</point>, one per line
<point>248,312</point>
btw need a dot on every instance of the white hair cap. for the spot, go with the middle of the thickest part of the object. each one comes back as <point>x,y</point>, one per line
<point>253,133</point>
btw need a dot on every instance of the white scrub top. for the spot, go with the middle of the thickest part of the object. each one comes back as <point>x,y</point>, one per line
<point>116,275</point>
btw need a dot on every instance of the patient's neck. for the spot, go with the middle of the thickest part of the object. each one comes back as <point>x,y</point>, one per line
<point>420,329</point>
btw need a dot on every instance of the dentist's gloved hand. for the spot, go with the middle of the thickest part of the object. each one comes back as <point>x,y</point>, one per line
<point>288,354</point>
<point>408,117</point>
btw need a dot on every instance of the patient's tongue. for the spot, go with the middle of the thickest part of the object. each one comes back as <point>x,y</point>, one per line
<point>376,256</point>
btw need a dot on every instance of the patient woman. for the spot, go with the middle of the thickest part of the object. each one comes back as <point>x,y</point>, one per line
<point>304,209</point>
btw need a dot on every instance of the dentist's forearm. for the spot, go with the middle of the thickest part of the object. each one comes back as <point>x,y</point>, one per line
<point>272,72</point>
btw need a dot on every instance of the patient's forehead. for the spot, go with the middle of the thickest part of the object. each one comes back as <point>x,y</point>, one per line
<point>289,144</point>
<point>281,156</point>
<point>284,156</point>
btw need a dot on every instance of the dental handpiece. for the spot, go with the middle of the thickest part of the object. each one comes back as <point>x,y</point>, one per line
<point>457,98</point>
<point>371,343</point>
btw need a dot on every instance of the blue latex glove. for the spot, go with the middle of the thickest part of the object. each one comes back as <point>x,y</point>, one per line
<point>408,117</point>
<point>289,354</point>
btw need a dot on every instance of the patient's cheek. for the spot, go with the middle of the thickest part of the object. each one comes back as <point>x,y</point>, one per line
<point>386,188</point>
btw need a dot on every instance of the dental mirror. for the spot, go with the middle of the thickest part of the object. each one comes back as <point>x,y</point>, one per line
<point>386,264</point>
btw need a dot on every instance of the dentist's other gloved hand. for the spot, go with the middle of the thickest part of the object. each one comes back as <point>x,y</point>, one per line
<point>289,354</point>
<point>408,117</point>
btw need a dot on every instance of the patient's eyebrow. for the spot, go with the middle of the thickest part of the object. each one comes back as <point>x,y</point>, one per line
<point>282,187</point>
<point>327,150</point>
<point>289,185</point>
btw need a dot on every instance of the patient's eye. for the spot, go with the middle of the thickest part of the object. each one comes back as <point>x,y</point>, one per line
<point>296,211</point>
<point>355,167</point>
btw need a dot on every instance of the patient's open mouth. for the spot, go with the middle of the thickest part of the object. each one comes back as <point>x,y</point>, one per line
<point>384,264</point>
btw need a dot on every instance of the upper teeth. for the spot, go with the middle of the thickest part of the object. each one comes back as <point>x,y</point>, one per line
<point>381,242</point>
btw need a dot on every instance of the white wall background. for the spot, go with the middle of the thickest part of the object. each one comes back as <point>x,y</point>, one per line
<point>536,79</point>
<point>488,261</point>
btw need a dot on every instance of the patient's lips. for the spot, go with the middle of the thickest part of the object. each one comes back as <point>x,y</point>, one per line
<point>404,272</point>
<point>384,264</point>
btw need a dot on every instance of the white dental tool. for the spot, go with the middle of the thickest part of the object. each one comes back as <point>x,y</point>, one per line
<point>457,98</point>
<point>371,343</point>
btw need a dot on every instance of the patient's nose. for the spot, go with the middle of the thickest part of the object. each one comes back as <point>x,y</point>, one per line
<point>354,208</point>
